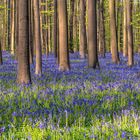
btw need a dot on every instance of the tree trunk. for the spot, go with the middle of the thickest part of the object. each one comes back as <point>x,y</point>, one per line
<point>92,35</point>
<point>37,35</point>
<point>130,33</point>
<point>0,54</point>
<point>63,36</point>
<point>23,76</point>
<point>55,29</point>
<point>13,27</point>
<point>71,26</point>
<point>83,37</point>
<point>102,49</point>
<point>30,32</point>
<point>113,39</point>
<point>125,37</point>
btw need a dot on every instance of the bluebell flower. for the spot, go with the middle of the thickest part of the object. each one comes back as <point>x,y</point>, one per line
<point>123,135</point>
<point>2,129</point>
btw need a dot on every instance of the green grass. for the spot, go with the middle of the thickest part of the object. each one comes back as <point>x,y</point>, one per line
<point>85,121</point>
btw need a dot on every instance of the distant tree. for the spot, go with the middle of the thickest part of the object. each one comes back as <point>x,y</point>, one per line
<point>125,37</point>
<point>12,27</point>
<point>71,25</point>
<point>130,33</point>
<point>63,36</point>
<point>30,31</point>
<point>16,27</point>
<point>113,32</point>
<point>102,48</point>
<point>37,38</point>
<point>83,37</point>
<point>92,35</point>
<point>75,27</point>
<point>1,62</point>
<point>9,22</point>
<point>23,74</point>
<point>55,28</point>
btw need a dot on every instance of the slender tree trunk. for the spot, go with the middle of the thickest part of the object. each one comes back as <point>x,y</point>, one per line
<point>92,35</point>
<point>71,26</point>
<point>119,25</point>
<point>1,62</point>
<point>4,35</point>
<point>102,49</point>
<point>23,76</point>
<point>37,35</point>
<point>125,37</point>
<point>63,36</point>
<point>114,46</point>
<point>138,9</point>
<point>75,32</point>
<point>83,37</point>
<point>55,29</point>
<point>130,33</point>
<point>16,27</point>
<point>13,27</point>
<point>47,30</point>
<point>9,22</point>
<point>30,32</point>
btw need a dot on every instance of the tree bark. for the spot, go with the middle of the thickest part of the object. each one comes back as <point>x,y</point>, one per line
<point>37,36</point>
<point>113,34</point>
<point>92,35</point>
<point>23,76</point>
<point>1,62</point>
<point>63,36</point>
<point>55,29</point>
<point>125,37</point>
<point>83,37</point>
<point>130,33</point>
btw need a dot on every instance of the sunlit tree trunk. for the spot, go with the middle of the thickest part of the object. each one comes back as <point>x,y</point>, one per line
<point>37,36</point>
<point>130,33</point>
<point>16,27</point>
<point>83,37</point>
<point>63,36</point>
<point>0,54</point>
<point>13,27</point>
<point>75,27</point>
<point>23,76</point>
<point>9,22</point>
<point>125,37</point>
<point>113,32</point>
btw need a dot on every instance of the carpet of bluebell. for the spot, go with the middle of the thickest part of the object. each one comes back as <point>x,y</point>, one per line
<point>80,104</point>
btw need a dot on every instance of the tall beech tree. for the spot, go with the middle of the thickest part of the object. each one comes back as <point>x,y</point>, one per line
<point>113,32</point>
<point>130,33</point>
<point>30,31</point>
<point>75,27</point>
<point>55,28</point>
<point>92,35</point>
<point>102,48</point>
<point>71,26</point>
<point>1,62</point>
<point>37,38</point>
<point>23,74</point>
<point>83,37</point>
<point>12,27</point>
<point>63,36</point>
<point>125,37</point>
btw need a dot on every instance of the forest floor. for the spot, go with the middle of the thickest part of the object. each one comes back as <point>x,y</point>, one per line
<point>80,104</point>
